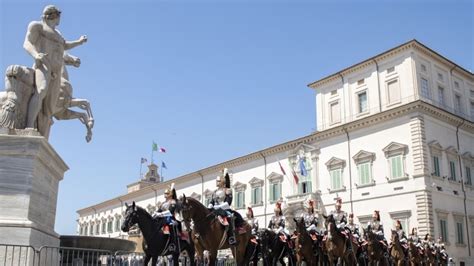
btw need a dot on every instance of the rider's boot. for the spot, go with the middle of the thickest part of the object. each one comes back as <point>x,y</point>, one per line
<point>348,245</point>
<point>231,231</point>
<point>173,236</point>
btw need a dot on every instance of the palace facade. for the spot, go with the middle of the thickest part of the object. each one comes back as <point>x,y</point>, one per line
<point>395,133</point>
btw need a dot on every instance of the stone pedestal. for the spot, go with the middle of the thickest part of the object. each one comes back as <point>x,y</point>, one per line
<point>30,171</point>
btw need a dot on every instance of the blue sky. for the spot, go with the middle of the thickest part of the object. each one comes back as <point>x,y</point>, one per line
<point>210,80</point>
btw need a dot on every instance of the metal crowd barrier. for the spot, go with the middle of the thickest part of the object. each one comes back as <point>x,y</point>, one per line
<point>18,255</point>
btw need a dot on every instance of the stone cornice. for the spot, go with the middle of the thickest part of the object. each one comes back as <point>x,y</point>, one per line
<point>413,107</point>
<point>389,53</point>
<point>33,146</point>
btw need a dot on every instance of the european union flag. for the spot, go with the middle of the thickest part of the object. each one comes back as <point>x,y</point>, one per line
<point>303,171</point>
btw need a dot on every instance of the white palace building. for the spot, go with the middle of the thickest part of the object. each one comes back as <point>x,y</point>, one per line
<point>395,133</point>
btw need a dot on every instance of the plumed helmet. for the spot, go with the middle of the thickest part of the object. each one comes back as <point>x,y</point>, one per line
<point>171,190</point>
<point>224,177</point>
<point>338,202</point>
<point>310,204</point>
<point>377,213</point>
<point>351,215</point>
<point>50,10</point>
<point>249,210</point>
<point>278,208</point>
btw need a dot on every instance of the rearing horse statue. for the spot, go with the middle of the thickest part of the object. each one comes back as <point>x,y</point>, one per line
<point>209,234</point>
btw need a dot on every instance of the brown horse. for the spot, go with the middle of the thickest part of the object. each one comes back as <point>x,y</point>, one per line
<point>430,255</point>
<point>415,256</point>
<point>397,253</point>
<point>305,246</point>
<point>375,250</point>
<point>209,234</point>
<point>335,244</point>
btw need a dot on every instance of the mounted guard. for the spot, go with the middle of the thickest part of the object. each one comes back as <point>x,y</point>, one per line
<point>340,217</point>
<point>278,222</point>
<point>310,219</point>
<point>253,222</point>
<point>220,203</point>
<point>376,227</point>
<point>167,211</point>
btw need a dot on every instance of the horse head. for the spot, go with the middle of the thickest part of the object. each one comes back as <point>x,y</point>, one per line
<point>131,217</point>
<point>395,237</point>
<point>300,225</point>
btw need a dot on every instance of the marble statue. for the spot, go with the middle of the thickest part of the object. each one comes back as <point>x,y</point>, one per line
<point>33,96</point>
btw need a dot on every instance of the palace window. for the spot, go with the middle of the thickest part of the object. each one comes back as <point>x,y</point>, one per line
<point>443,229</point>
<point>364,160</point>
<point>256,195</point>
<point>423,68</point>
<point>91,229</point>
<point>335,112</point>
<point>452,170</point>
<point>336,179</point>
<point>393,91</point>
<point>275,191</point>
<point>275,186</point>
<point>436,153</point>
<point>457,104</point>
<point>104,225</point>
<point>117,223</point>
<point>256,191</point>
<point>459,228</point>
<point>365,174</point>
<point>436,170</point>
<point>239,189</point>
<point>110,226</point>
<point>472,111</point>
<point>441,96</point>
<point>362,101</point>
<point>335,167</point>
<point>97,228</point>
<point>395,154</point>
<point>468,176</point>
<point>304,181</point>
<point>425,88</point>
<point>440,77</point>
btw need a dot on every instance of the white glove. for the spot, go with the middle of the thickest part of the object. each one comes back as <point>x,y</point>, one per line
<point>210,206</point>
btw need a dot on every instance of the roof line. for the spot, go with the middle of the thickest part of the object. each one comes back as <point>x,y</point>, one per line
<point>413,41</point>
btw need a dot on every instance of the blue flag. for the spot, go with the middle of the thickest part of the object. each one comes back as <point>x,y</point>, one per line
<point>303,171</point>
<point>163,165</point>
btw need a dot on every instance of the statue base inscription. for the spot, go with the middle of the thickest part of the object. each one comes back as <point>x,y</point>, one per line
<point>30,171</point>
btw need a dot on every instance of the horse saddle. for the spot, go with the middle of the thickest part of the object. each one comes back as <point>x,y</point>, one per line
<point>166,229</point>
<point>223,220</point>
<point>282,238</point>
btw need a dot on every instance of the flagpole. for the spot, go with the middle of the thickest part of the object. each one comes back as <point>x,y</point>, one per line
<point>152,147</point>
<point>141,164</point>
<point>161,173</point>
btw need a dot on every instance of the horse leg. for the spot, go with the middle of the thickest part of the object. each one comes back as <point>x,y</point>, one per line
<point>154,260</point>
<point>147,259</point>
<point>67,114</point>
<point>84,105</point>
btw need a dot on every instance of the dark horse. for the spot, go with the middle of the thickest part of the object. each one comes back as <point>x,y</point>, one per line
<point>335,244</point>
<point>155,241</point>
<point>209,234</point>
<point>254,250</point>
<point>375,250</point>
<point>274,250</point>
<point>308,250</point>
